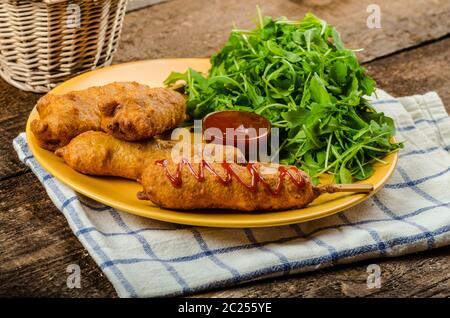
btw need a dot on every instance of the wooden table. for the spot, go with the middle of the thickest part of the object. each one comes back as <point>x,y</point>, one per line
<point>410,54</point>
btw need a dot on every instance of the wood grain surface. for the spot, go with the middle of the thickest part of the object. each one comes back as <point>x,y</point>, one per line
<point>409,55</point>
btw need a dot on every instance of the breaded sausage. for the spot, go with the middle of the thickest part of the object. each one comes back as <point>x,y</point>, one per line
<point>97,153</point>
<point>196,186</point>
<point>127,110</point>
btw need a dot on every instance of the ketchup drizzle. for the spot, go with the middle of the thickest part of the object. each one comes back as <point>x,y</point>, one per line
<point>292,172</point>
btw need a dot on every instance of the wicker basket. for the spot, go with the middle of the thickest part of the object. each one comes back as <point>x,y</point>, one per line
<point>42,43</point>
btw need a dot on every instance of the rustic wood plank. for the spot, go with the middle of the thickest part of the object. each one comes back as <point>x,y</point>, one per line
<point>416,71</point>
<point>37,246</point>
<point>197,28</point>
<point>14,110</point>
<point>139,4</point>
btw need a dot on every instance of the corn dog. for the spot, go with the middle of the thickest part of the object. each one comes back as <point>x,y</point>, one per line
<point>252,187</point>
<point>97,153</point>
<point>206,185</point>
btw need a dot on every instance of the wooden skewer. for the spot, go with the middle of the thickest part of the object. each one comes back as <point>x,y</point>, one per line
<point>353,187</point>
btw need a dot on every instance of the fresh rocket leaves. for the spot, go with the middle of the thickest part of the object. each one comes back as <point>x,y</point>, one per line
<point>299,75</point>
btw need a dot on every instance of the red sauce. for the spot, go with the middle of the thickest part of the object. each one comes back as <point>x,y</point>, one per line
<point>240,121</point>
<point>292,172</point>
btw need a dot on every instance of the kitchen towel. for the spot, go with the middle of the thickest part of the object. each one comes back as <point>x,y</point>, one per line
<point>143,257</point>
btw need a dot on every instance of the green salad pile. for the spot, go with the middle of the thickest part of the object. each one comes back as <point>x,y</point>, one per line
<point>299,75</point>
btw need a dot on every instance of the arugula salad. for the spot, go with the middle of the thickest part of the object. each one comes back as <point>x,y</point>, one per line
<point>298,75</point>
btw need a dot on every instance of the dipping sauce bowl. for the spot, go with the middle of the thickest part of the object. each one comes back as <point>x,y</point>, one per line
<point>249,130</point>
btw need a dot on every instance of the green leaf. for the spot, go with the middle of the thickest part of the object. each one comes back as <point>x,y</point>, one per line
<point>337,40</point>
<point>366,172</point>
<point>318,92</point>
<point>314,140</point>
<point>309,34</point>
<point>296,117</point>
<point>345,175</point>
<point>292,57</point>
<point>368,85</point>
<point>297,37</point>
<point>175,77</point>
<point>340,71</point>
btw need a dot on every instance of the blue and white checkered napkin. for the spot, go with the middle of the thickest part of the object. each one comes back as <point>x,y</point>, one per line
<point>143,257</point>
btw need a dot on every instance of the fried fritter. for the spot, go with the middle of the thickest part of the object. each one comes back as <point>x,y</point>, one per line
<point>97,153</point>
<point>126,110</point>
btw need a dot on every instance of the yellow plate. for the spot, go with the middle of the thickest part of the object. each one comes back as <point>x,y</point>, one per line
<point>121,193</point>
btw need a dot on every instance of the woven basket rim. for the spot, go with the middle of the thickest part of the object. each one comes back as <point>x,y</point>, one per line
<point>51,1</point>
<point>36,54</point>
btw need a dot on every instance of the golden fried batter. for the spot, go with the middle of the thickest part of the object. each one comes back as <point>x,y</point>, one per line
<point>127,110</point>
<point>210,193</point>
<point>97,153</point>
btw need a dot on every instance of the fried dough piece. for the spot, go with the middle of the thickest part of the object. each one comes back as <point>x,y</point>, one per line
<point>126,110</point>
<point>97,153</point>
<point>161,186</point>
